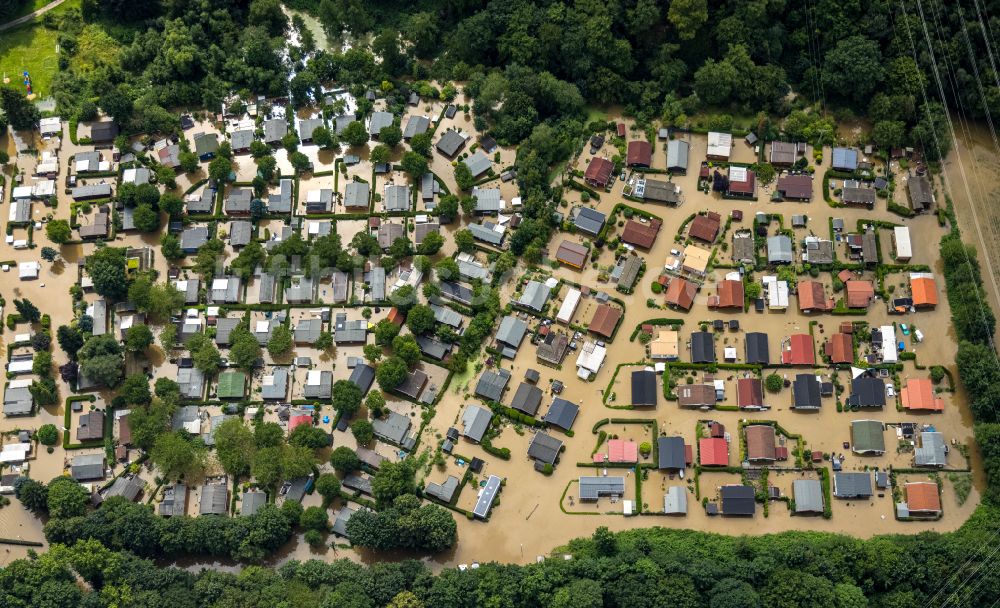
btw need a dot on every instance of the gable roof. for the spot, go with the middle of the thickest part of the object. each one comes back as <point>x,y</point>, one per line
<point>696,395</point>
<point>800,350</point>
<point>932,451</point>
<point>923,289</point>
<point>859,293</point>
<point>589,220</point>
<point>867,437</point>
<point>922,497</point>
<point>840,348</point>
<point>671,453</point>
<point>806,392</point>
<point>867,392</point>
<point>705,227</point>
<point>478,163</point>
<point>729,294</point>
<point>562,413</point>
<point>813,297</point>
<point>738,500</point>
<point>808,494</point>
<point>681,293</point>
<point>797,187</point>
<point>779,249</point>
<point>641,234</point>
<point>598,171</point>
<point>475,421</point>
<point>492,384</point>
<point>605,320</point>
<point>756,348</point>
<point>749,393</point>
<point>544,448</point>
<point>918,394</point>
<point>644,388</point>
<point>851,484</point>
<point>702,347</point>
<point>572,254</point>
<point>760,442</point>
<point>527,398</point>
<point>713,451</point>
<point>639,153</point>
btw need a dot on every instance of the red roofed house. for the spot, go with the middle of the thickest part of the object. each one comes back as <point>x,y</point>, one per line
<point>598,172</point>
<point>705,227</point>
<point>742,182</point>
<point>605,320</point>
<point>923,290</point>
<point>299,420</point>
<point>812,297</point>
<point>621,129</point>
<point>840,348</point>
<point>750,394</point>
<point>620,450</point>
<point>639,154</point>
<point>395,316</point>
<point>760,442</point>
<point>859,294</point>
<point>918,394</point>
<point>641,234</point>
<point>798,349</point>
<point>922,498</point>
<point>681,292</point>
<point>713,452</point>
<point>730,295</point>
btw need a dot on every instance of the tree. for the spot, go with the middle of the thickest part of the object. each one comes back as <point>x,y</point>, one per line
<point>393,479</point>
<point>354,134</point>
<point>372,352</point>
<point>604,541</point>
<point>407,349</point>
<point>421,320</point>
<point>70,340</point>
<point>300,162</point>
<point>463,177</point>
<point>170,247</point>
<point>405,599</point>
<point>41,341</point>
<point>773,383</point>
<point>244,349</point>
<point>344,460</point>
<point>385,331</point>
<point>889,134</point>
<point>447,208</point>
<point>138,338</point>
<point>177,456</point>
<point>147,194</point>
<point>49,254</point>
<point>207,357</point>
<point>34,495</point>
<point>58,231</point>
<point>47,434</point>
<point>234,447</point>
<point>21,114</point>
<point>219,169</point>
<point>687,16</point>
<point>135,390</point>
<point>415,165</point>
<point>189,161</point>
<point>404,298</point>
<point>328,486</point>
<point>106,267</point>
<point>363,431</point>
<point>322,137</point>
<point>168,337</point>
<point>421,144</point>
<point>101,359</point>
<point>280,343</point>
<point>315,518</point>
<point>171,204</point>
<point>324,341</point>
<point>346,398</point>
<point>432,243</point>
<point>309,436</point>
<point>853,68</point>
<point>42,364</point>
<point>464,240</point>
<point>391,373</point>
<point>67,498</point>
<point>390,135</point>
<point>380,154</point>
<point>28,311</point>
<point>158,300</point>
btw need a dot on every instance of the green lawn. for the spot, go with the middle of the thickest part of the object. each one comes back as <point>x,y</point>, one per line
<point>31,48</point>
<point>27,6</point>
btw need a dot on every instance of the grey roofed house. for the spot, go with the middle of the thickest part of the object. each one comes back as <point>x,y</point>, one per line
<point>87,161</point>
<point>428,186</point>
<point>415,126</point>
<point>349,332</point>
<point>867,391</point>
<point>240,233</point>
<point>224,327</point>
<point>442,491</point>
<point>213,424</point>
<point>589,221</point>
<point>363,376</point>
<point>204,204</point>
<point>242,139</point>
<point>238,201</point>
<point>340,123</point>
<point>379,121</point>
<point>225,290</point>
<point>252,501</point>
<point>443,314</point>
<point>808,496</point>
<point>644,388</point>
<point>782,153</point>
<point>534,296</point>
<point>307,126</point>
<point>388,232</point>
<point>263,330</point>
<point>485,232</point>
<point>450,143</point>
<point>127,486</point>
<point>702,347</point>
<point>274,130</point>
<point>657,191</point>
<point>858,195</point>
<point>737,500</point>
<point>183,416</point>
<point>340,522</point>
<point>932,450</point>
<point>206,145</point>
<point>300,291</point>
<point>630,271</point>
<point>544,448</point>
<point>592,487</point>
<point>128,219</point>
<point>137,176</point>
<point>919,189</point>
<point>214,499</point>
<point>413,384</point>
<point>867,437</point>
<point>376,280</point>
<point>307,331</point>
<point>370,457</point>
<point>478,163</point>
<point>17,401</point>
<point>433,348</point>
<point>103,132</point>
<point>91,426</point>
<point>394,429</point>
<point>190,289</point>
<point>845,159</point>
<point>472,270</point>
<point>806,392</point>
<point>475,422</point>
<point>527,398</point>
<point>677,155</point>
<point>850,484</point>
<point>818,251</point>
<point>422,229</point>
<point>281,201</point>
<point>192,382</point>
<point>338,284</point>
<point>492,384</point>
<point>511,331</point>
<point>457,292</point>
<point>174,501</point>
<point>671,453</point>
<point>319,201</point>
<point>356,195</point>
<point>756,348</point>
<point>562,413</point>
<point>869,248</point>
<point>91,191</point>
<point>295,490</point>
<point>397,197</point>
<point>275,386</point>
<point>779,249</point>
<point>487,497</point>
<point>318,385</point>
<point>22,211</point>
<point>87,467</point>
<point>675,501</point>
<point>487,200</point>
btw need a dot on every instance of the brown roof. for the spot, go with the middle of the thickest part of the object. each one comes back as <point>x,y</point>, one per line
<point>795,186</point>
<point>922,496</point>
<point>124,430</point>
<point>572,253</point>
<point>811,296</point>
<point>747,186</point>
<point>605,320</point>
<point>639,153</point>
<point>598,171</point>
<point>839,348</point>
<point>695,395</point>
<point>859,294</point>
<point>641,234</point>
<point>704,227</point>
<point>749,392</point>
<point>730,294</point>
<point>760,442</point>
<point>681,293</point>
<point>924,291</point>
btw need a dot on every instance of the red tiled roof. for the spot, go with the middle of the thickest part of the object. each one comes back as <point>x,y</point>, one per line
<point>924,292</point>
<point>620,450</point>
<point>713,451</point>
<point>639,153</point>
<point>839,348</point>
<point>573,254</point>
<point>859,294</point>
<point>845,275</point>
<point>746,186</point>
<point>796,186</point>
<point>760,442</point>
<point>800,350</point>
<point>730,294</point>
<point>641,234</point>
<point>605,319</point>
<point>395,316</point>
<point>598,171</point>
<point>811,296</point>
<point>621,129</point>
<point>922,496</point>
<point>681,293</point>
<point>704,227</point>
<point>749,392</point>
<point>918,394</point>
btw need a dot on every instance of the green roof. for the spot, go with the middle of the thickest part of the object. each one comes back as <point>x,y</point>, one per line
<point>231,385</point>
<point>868,436</point>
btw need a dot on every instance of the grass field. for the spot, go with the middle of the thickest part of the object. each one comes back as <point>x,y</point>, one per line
<point>27,6</point>
<point>31,48</point>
